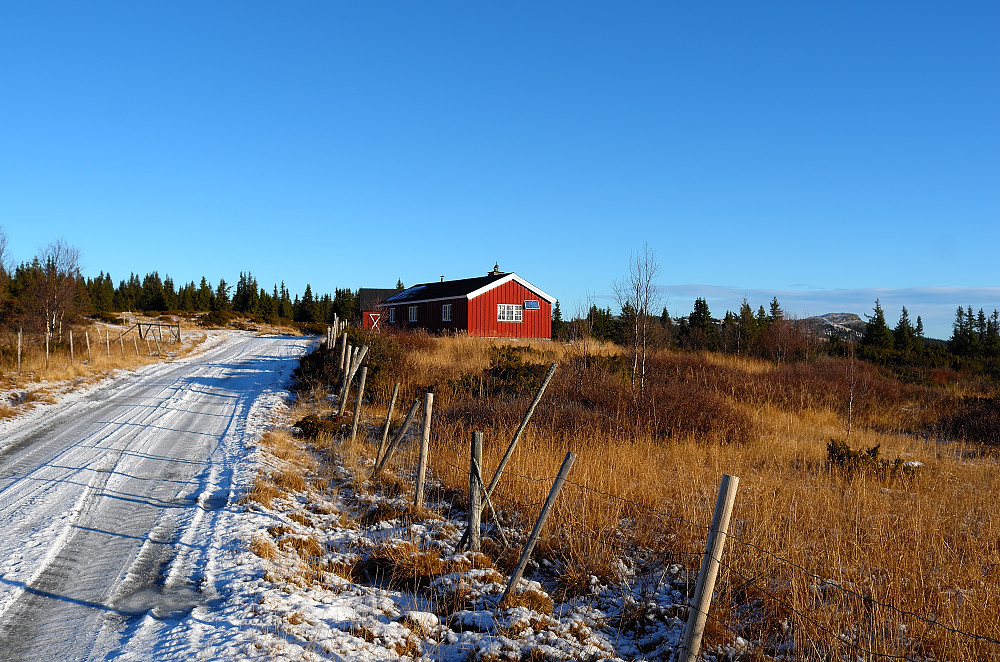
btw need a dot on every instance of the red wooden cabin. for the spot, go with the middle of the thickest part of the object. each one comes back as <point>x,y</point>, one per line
<point>497,305</point>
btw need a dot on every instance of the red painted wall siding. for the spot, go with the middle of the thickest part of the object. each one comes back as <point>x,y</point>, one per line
<point>483,314</point>
<point>429,316</point>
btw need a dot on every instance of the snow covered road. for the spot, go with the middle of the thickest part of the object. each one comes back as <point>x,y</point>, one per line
<point>112,502</point>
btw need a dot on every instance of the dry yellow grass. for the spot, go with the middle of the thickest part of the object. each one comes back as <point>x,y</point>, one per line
<point>810,539</point>
<point>82,367</point>
<point>263,547</point>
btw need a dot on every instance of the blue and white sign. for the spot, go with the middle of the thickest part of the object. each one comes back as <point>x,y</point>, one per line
<point>531,304</point>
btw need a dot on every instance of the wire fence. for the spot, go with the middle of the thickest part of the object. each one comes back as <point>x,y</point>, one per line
<point>797,612</point>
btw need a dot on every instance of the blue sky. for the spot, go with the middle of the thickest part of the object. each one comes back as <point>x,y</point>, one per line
<point>823,153</point>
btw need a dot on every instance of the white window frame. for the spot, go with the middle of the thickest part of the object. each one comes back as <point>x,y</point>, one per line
<point>446,312</point>
<point>392,316</point>
<point>413,313</point>
<point>510,312</point>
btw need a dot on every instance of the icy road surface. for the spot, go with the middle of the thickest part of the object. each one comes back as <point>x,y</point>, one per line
<point>111,502</point>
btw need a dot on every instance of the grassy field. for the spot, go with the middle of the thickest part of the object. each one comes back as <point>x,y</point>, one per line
<point>884,545</point>
<point>97,350</point>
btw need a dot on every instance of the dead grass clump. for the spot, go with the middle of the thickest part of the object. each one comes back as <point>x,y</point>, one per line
<point>306,546</point>
<point>290,481</point>
<point>279,530</point>
<point>342,567</point>
<point>313,427</point>
<point>532,599</point>
<point>297,618</point>
<point>301,519</point>
<point>404,564</point>
<point>263,547</point>
<point>383,511</point>
<point>470,561</point>
<point>264,491</point>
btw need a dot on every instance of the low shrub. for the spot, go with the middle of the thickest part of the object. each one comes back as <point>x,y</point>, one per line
<point>977,420</point>
<point>312,426</point>
<point>107,318</point>
<point>216,318</point>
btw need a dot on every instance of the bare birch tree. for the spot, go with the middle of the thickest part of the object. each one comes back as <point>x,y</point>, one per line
<point>54,292</point>
<point>4,269</point>
<point>638,292</point>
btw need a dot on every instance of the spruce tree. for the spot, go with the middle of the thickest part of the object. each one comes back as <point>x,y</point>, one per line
<point>777,314</point>
<point>877,333</point>
<point>903,335</point>
<point>558,325</point>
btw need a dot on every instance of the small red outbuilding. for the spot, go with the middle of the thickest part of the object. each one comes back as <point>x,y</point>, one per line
<point>497,305</point>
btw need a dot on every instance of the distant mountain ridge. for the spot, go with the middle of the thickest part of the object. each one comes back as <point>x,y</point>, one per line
<point>846,326</point>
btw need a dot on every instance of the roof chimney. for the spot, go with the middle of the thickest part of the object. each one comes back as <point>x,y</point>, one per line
<point>496,270</point>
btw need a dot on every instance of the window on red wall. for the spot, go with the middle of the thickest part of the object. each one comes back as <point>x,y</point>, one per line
<point>509,312</point>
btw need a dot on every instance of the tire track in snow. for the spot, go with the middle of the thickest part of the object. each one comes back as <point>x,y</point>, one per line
<point>125,499</point>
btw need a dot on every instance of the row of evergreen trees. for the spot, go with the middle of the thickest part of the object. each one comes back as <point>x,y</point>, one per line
<point>974,344</point>
<point>49,292</point>
<point>763,333</point>
<point>151,293</point>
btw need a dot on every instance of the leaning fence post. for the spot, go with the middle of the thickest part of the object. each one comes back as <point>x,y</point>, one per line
<point>72,358</point>
<point>19,333</point>
<point>135,343</point>
<point>90,357</point>
<point>513,443</point>
<point>425,440</point>
<point>358,357</point>
<point>121,343</point>
<point>343,352</point>
<point>357,405</point>
<point>397,438</point>
<point>388,421</point>
<point>475,490</point>
<point>536,532</point>
<point>702,600</point>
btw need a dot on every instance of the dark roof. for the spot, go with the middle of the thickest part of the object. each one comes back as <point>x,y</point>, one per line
<point>448,289</point>
<point>370,297</point>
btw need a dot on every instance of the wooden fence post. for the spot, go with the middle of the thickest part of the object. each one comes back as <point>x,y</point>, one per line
<point>46,350</point>
<point>398,437</point>
<point>536,532</point>
<point>357,404</point>
<point>356,361</point>
<point>343,352</point>
<point>475,491</point>
<point>121,343</point>
<point>513,442</point>
<point>19,333</point>
<point>425,442</point>
<point>156,343</point>
<point>107,340</point>
<point>702,600</point>
<point>388,421</point>
<point>72,358</point>
<point>135,343</point>
<point>90,357</point>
